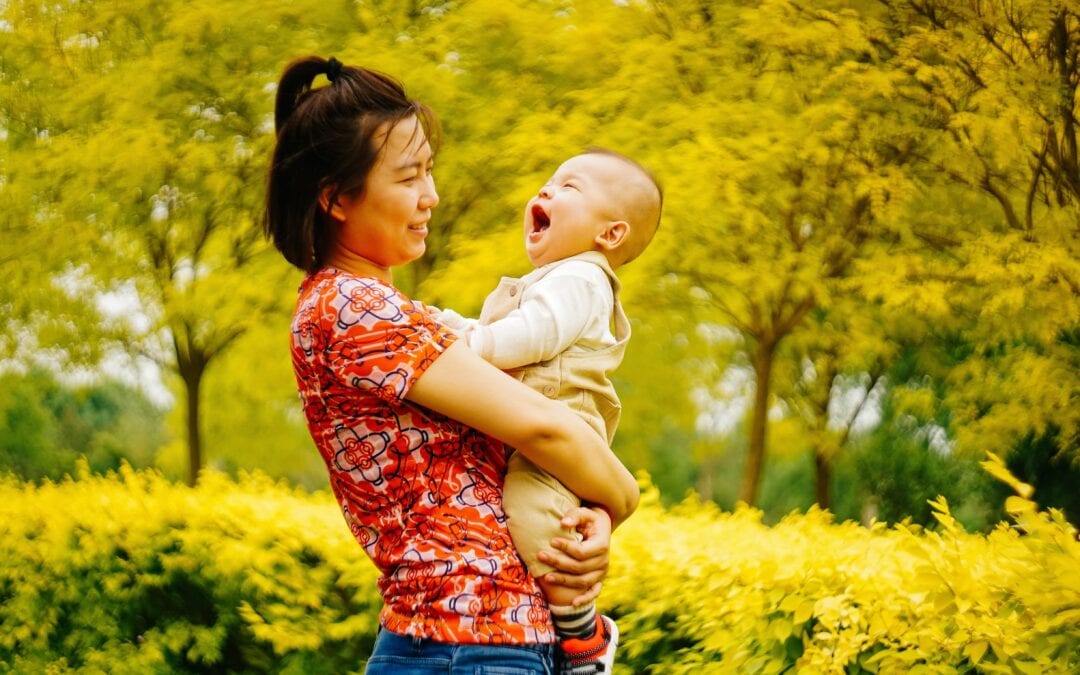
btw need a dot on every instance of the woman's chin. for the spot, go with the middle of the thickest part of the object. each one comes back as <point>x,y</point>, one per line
<point>416,252</point>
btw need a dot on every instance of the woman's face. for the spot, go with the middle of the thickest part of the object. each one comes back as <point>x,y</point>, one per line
<point>386,224</point>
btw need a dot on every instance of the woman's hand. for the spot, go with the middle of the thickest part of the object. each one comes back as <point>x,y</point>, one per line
<point>581,564</point>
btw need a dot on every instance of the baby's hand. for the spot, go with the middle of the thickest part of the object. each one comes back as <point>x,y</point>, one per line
<point>457,324</point>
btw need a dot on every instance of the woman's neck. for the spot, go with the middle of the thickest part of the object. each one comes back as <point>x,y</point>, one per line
<point>358,265</point>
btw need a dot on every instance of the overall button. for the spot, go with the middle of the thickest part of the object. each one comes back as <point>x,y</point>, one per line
<point>513,292</point>
<point>549,390</point>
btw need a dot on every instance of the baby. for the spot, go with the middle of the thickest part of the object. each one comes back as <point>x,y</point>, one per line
<point>561,330</point>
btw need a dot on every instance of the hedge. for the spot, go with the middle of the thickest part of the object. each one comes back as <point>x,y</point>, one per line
<point>131,573</point>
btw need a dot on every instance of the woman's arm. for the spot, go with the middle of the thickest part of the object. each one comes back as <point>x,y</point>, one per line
<point>464,387</point>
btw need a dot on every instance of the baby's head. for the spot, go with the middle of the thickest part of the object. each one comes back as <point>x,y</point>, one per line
<point>596,201</point>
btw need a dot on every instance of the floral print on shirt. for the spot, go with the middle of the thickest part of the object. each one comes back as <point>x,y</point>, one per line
<point>421,493</point>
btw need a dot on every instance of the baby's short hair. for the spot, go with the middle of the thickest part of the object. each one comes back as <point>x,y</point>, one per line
<point>641,203</point>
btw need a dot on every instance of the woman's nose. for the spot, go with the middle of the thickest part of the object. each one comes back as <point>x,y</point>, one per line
<point>430,198</point>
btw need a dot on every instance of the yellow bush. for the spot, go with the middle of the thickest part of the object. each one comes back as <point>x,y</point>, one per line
<point>131,573</point>
<point>698,590</point>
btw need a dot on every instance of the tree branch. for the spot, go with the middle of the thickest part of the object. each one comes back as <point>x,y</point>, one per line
<point>875,376</point>
<point>1036,174</point>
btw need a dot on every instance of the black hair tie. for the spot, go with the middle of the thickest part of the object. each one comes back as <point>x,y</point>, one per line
<point>333,68</point>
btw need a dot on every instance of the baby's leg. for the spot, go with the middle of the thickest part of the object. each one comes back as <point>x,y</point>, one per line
<point>536,503</point>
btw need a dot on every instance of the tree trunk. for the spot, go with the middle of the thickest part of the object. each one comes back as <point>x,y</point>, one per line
<point>755,461</point>
<point>706,469</point>
<point>191,362</point>
<point>1062,54</point>
<point>822,477</point>
<point>868,515</point>
<point>194,437</point>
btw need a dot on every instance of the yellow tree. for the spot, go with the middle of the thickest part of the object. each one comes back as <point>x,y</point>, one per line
<point>998,84</point>
<point>802,191</point>
<point>834,372</point>
<point>146,126</point>
<point>38,246</point>
<point>902,158</point>
<point>987,304</point>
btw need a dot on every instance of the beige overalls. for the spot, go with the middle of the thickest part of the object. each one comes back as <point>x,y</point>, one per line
<point>535,500</point>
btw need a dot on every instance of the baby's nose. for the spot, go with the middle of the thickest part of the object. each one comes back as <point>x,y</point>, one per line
<point>545,191</point>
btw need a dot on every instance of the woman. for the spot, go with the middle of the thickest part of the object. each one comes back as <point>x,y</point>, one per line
<point>411,424</point>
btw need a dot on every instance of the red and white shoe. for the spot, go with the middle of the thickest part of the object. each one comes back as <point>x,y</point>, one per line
<point>591,655</point>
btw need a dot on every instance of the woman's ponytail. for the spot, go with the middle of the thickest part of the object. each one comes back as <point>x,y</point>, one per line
<point>295,82</point>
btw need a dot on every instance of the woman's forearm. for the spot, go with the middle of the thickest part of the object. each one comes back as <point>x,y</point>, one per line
<point>572,451</point>
<point>464,387</point>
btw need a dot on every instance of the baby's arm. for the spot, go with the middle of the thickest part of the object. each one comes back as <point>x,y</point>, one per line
<point>554,314</point>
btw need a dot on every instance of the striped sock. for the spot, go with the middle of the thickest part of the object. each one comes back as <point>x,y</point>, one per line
<point>574,622</point>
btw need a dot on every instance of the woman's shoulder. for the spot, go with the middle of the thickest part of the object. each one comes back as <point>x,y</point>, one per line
<point>343,289</point>
<point>342,301</point>
<point>333,281</point>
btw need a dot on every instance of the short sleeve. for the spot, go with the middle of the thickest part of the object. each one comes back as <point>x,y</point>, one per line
<point>379,340</point>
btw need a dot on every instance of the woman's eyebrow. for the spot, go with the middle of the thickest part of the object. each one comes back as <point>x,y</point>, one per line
<point>413,164</point>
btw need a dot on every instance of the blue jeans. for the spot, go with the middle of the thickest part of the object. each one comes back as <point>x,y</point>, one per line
<point>399,655</point>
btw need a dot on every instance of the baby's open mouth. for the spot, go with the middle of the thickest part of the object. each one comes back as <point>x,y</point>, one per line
<point>541,221</point>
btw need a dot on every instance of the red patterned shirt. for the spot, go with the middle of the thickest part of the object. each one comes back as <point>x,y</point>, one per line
<point>421,492</point>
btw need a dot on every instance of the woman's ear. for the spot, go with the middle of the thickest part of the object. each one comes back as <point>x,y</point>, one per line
<point>332,209</point>
<point>614,234</point>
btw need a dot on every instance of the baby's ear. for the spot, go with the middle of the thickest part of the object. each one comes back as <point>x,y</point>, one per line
<point>613,235</point>
<point>331,209</point>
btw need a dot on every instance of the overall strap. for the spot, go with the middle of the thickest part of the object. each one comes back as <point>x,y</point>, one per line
<point>622,323</point>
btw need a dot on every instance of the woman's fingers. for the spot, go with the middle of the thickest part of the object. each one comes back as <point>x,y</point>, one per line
<point>576,556</point>
<point>580,564</point>
<point>571,567</point>
<point>584,551</point>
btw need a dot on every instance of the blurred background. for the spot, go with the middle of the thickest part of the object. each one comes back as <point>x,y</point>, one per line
<point>867,275</point>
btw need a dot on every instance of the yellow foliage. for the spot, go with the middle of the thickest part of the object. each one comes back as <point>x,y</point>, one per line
<point>132,573</point>
<point>835,598</point>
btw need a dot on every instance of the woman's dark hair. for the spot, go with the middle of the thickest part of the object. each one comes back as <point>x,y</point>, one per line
<point>326,137</point>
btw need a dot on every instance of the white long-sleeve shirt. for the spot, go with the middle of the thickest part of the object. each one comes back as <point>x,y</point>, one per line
<point>568,307</point>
